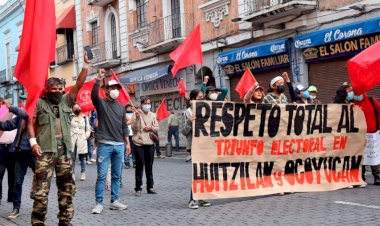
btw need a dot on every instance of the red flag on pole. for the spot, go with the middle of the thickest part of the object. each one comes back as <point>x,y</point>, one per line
<point>37,49</point>
<point>162,111</point>
<point>364,69</point>
<point>182,88</point>
<point>123,96</point>
<point>245,83</point>
<point>189,52</point>
<point>84,96</point>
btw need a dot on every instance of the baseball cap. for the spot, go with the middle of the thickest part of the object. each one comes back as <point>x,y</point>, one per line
<point>260,88</point>
<point>113,83</point>
<point>23,97</point>
<point>312,89</point>
<point>211,88</point>
<point>299,88</point>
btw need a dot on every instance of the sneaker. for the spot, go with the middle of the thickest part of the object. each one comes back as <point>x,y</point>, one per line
<point>349,187</point>
<point>97,209</point>
<point>138,193</point>
<point>93,160</point>
<point>116,205</point>
<point>280,194</point>
<point>188,159</point>
<point>193,204</point>
<point>360,186</point>
<point>82,176</point>
<point>14,214</point>
<point>204,203</point>
<point>377,180</point>
<point>89,163</point>
<point>151,191</point>
<point>127,167</point>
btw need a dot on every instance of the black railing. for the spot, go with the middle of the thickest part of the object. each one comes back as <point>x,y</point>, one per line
<point>65,53</point>
<point>105,51</point>
<point>170,27</point>
<point>254,6</point>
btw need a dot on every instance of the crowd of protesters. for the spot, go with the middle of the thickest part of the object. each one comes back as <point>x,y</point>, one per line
<point>118,134</point>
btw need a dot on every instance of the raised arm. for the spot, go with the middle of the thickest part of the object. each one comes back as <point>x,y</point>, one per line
<point>81,78</point>
<point>292,94</point>
<point>95,89</point>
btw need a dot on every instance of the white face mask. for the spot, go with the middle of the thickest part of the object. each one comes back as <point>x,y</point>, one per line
<point>312,97</point>
<point>114,94</point>
<point>213,96</point>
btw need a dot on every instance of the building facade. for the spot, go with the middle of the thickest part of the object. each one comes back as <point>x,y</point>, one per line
<point>11,18</point>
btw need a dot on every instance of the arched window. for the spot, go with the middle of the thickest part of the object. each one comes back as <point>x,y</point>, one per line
<point>113,36</point>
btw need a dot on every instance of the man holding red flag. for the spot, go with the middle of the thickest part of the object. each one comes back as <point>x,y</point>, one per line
<point>112,135</point>
<point>52,146</point>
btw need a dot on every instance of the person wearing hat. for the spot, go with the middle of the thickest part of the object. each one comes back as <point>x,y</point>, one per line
<point>313,95</point>
<point>23,101</point>
<point>212,93</point>
<point>112,140</point>
<point>303,96</point>
<point>276,90</point>
<point>254,95</point>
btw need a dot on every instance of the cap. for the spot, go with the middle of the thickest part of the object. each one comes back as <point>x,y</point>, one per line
<point>23,97</point>
<point>299,88</point>
<point>113,83</point>
<point>211,88</point>
<point>260,88</point>
<point>312,89</point>
<point>275,79</point>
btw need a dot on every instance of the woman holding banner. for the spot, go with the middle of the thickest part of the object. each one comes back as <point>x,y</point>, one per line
<point>276,90</point>
<point>189,118</point>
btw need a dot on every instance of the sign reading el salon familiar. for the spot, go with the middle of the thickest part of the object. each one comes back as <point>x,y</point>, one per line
<point>243,150</point>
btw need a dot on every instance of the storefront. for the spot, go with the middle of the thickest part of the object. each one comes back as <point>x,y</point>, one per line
<point>158,83</point>
<point>265,61</point>
<point>327,51</point>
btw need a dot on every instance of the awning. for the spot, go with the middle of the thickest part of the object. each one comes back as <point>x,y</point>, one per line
<point>255,51</point>
<point>67,18</point>
<point>337,33</point>
<point>146,75</point>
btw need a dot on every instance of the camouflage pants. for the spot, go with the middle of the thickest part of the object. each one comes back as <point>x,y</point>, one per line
<point>45,166</point>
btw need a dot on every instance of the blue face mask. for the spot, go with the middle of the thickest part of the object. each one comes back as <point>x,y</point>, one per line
<point>146,107</point>
<point>306,95</point>
<point>359,98</point>
<point>350,96</point>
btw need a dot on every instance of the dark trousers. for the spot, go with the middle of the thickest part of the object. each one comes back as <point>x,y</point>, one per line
<point>157,147</point>
<point>24,159</point>
<point>7,162</point>
<point>144,156</point>
<point>173,131</point>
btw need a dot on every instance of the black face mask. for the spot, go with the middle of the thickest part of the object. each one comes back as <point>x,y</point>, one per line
<point>77,111</point>
<point>54,97</point>
<point>280,88</point>
<point>129,111</point>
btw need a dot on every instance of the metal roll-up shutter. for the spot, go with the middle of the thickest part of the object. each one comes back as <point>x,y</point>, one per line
<point>263,77</point>
<point>328,75</point>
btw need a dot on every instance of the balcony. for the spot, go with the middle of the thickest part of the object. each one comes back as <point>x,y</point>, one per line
<point>164,35</point>
<point>3,76</point>
<point>106,55</point>
<point>65,53</point>
<point>261,11</point>
<point>99,2</point>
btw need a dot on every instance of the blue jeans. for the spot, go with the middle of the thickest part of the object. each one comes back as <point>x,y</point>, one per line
<point>89,148</point>
<point>24,159</point>
<point>107,153</point>
<point>82,159</point>
<point>173,131</point>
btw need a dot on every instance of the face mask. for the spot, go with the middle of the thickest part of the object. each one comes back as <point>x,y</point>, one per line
<point>146,108</point>
<point>280,88</point>
<point>77,111</point>
<point>54,97</point>
<point>213,96</point>
<point>350,96</point>
<point>306,94</point>
<point>359,98</point>
<point>129,112</point>
<point>114,94</point>
<point>312,97</point>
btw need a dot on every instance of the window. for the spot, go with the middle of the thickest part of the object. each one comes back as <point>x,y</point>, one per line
<point>94,34</point>
<point>113,37</point>
<point>10,74</point>
<point>176,18</point>
<point>141,6</point>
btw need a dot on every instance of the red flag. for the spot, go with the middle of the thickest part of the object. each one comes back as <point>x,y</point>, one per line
<point>245,83</point>
<point>182,88</point>
<point>364,69</point>
<point>189,52</point>
<point>37,49</point>
<point>123,96</point>
<point>84,96</point>
<point>162,111</point>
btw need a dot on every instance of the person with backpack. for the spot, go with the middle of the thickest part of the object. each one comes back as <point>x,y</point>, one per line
<point>80,132</point>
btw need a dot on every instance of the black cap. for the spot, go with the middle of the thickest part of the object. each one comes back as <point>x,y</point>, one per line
<point>211,88</point>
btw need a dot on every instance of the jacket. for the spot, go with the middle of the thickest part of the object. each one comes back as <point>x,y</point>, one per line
<point>139,136</point>
<point>80,132</point>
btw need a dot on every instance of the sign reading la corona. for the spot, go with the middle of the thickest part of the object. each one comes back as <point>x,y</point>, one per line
<point>347,47</point>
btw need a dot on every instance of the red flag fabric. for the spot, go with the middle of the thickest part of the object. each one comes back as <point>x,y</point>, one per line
<point>182,88</point>
<point>189,52</point>
<point>123,96</point>
<point>245,83</point>
<point>37,49</point>
<point>162,111</point>
<point>364,69</point>
<point>84,96</point>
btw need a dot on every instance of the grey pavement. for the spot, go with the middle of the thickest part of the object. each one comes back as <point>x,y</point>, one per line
<point>359,206</point>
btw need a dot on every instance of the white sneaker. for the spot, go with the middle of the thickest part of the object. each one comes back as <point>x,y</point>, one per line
<point>349,187</point>
<point>82,176</point>
<point>89,162</point>
<point>116,205</point>
<point>193,205</point>
<point>188,159</point>
<point>97,209</point>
